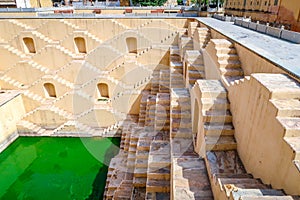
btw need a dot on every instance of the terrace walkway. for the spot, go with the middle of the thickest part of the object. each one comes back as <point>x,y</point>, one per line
<point>284,54</point>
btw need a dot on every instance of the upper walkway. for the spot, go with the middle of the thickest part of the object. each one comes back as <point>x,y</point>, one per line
<point>284,54</point>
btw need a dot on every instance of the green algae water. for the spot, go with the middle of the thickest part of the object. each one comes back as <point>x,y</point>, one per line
<point>41,168</point>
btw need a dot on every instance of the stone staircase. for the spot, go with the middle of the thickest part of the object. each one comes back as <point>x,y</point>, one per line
<point>164,81</point>
<point>225,56</point>
<point>185,43</point>
<point>229,180</point>
<point>155,82</point>
<point>15,51</point>
<point>227,175</point>
<point>162,115</point>
<point>189,176</point>
<point>25,128</point>
<point>143,106</point>
<point>158,172</point>
<point>218,130</point>
<point>141,162</point>
<point>201,38</point>
<point>192,26</point>
<point>147,147</point>
<point>194,67</point>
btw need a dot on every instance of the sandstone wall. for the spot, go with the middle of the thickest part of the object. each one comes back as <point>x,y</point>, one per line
<point>12,110</point>
<point>75,69</point>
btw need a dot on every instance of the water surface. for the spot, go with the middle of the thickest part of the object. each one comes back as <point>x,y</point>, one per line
<point>41,168</point>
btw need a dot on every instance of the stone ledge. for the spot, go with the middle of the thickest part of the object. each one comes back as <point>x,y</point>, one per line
<point>275,32</point>
<point>290,36</point>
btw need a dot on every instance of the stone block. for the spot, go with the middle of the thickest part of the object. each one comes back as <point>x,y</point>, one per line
<point>227,19</point>
<point>290,36</point>
<point>253,26</point>
<point>245,24</point>
<point>275,32</point>
<point>261,28</point>
<point>238,22</point>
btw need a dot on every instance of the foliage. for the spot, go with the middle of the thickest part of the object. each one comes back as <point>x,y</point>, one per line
<point>149,2</point>
<point>180,2</point>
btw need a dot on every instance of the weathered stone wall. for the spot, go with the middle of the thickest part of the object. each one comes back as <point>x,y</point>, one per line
<point>105,58</point>
<point>12,110</point>
<point>259,132</point>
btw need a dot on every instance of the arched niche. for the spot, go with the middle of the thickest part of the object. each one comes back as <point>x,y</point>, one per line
<point>29,45</point>
<point>49,89</point>
<point>80,44</point>
<point>131,43</point>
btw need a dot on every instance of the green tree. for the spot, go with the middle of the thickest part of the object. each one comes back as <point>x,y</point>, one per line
<point>149,2</point>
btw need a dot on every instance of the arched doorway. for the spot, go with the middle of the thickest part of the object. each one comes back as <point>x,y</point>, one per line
<point>29,45</point>
<point>80,44</point>
<point>103,92</point>
<point>131,44</point>
<point>49,89</point>
<point>195,121</point>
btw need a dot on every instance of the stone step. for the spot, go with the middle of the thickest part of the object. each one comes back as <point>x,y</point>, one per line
<point>193,57</point>
<point>232,72</point>
<point>182,147</point>
<point>176,64</point>
<point>212,89</point>
<point>180,114</point>
<point>233,79</point>
<point>181,123</point>
<point>230,64</point>
<point>174,50</point>
<point>220,143</point>
<point>196,74</point>
<point>175,57</point>
<point>226,50</point>
<point>287,107</point>
<point>223,43</point>
<point>266,198</point>
<point>181,133</point>
<point>294,143</point>
<point>158,161</point>
<point>140,172</point>
<point>159,147</point>
<point>143,145</point>
<point>249,183</point>
<point>223,116</point>
<point>139,193</point>
<point>139,181</point>
<point>190,179</point>
<point>132,149</point>
<point>133,141</point>
<point>227,56</point>
<point>161,173</point>
<point>257,194</point>
<point>197,67</point>
<point>183,193</point>
<point>225,163</point>
<point>141,163</point>
<point>162,119</point>
<point>157,196</point>
<point>215,104</point>
<point>291,126</point>
<point>154,185</point>
<point>163,110</point>
<point>217,129</point>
